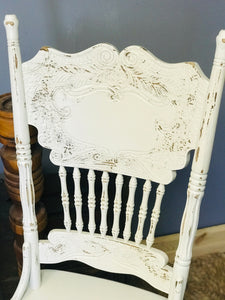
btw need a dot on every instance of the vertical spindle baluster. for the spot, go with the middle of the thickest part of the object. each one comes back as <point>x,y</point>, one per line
<point>117,206</point>
<point>130,208</point>
<point>104,203</point>
<point>155,214</point>
<point>78,200</point>
<point>143,211</point>
<point>91,201</point>
<point>65,198</point>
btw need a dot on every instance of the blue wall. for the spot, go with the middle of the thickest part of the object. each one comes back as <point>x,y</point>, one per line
<point>174,30</point>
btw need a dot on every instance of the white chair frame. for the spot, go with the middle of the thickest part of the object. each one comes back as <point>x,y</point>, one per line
<point>114,84</point>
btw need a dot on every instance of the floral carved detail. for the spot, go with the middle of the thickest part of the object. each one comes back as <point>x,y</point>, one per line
<point>94,248</point>
<point>107,254</point>
<point>57,85</point>
<point>163,273</point>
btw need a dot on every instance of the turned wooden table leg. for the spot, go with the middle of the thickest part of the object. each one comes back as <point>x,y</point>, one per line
<point>8,155</point>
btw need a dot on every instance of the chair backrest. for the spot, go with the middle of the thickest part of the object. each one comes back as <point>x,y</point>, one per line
<point>126,113</point>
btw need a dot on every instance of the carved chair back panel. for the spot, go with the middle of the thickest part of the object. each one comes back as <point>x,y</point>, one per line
<point>126,113</point>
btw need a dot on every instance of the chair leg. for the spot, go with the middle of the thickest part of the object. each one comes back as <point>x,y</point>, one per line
<point>24,279</point>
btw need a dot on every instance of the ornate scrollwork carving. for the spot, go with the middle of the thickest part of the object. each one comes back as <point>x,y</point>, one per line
<point>57,84</point>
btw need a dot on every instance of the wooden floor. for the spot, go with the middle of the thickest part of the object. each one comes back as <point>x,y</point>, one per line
<point>207,241</point>
<point>207,274</point>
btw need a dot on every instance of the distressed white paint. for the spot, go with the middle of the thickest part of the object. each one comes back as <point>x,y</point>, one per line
<point>78,200</point>
<point>155,214</point>
<point>128,113</point>
<point>157,136</point>
<point>25,276</point>
<point>104,203</point>
<point>188,229</point>
<point>91,201</point>
<point>200,167</point>
<point>108,254</point>
<point>22,140</point>
<point>117,206</point>
<point>130,208</point>
<point>143,211</point>
<point>65,198</point>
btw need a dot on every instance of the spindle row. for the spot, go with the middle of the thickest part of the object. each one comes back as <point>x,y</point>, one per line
<point>117,205</point>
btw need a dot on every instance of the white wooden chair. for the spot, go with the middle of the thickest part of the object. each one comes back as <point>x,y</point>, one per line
<point>126,113</point>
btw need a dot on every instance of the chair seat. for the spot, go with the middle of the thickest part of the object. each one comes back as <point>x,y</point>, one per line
<point>66,285</point>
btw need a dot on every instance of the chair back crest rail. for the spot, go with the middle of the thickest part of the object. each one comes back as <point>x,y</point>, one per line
<point>127,113</point>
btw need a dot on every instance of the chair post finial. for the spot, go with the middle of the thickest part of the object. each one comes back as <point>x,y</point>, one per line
<point>11,25</point>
